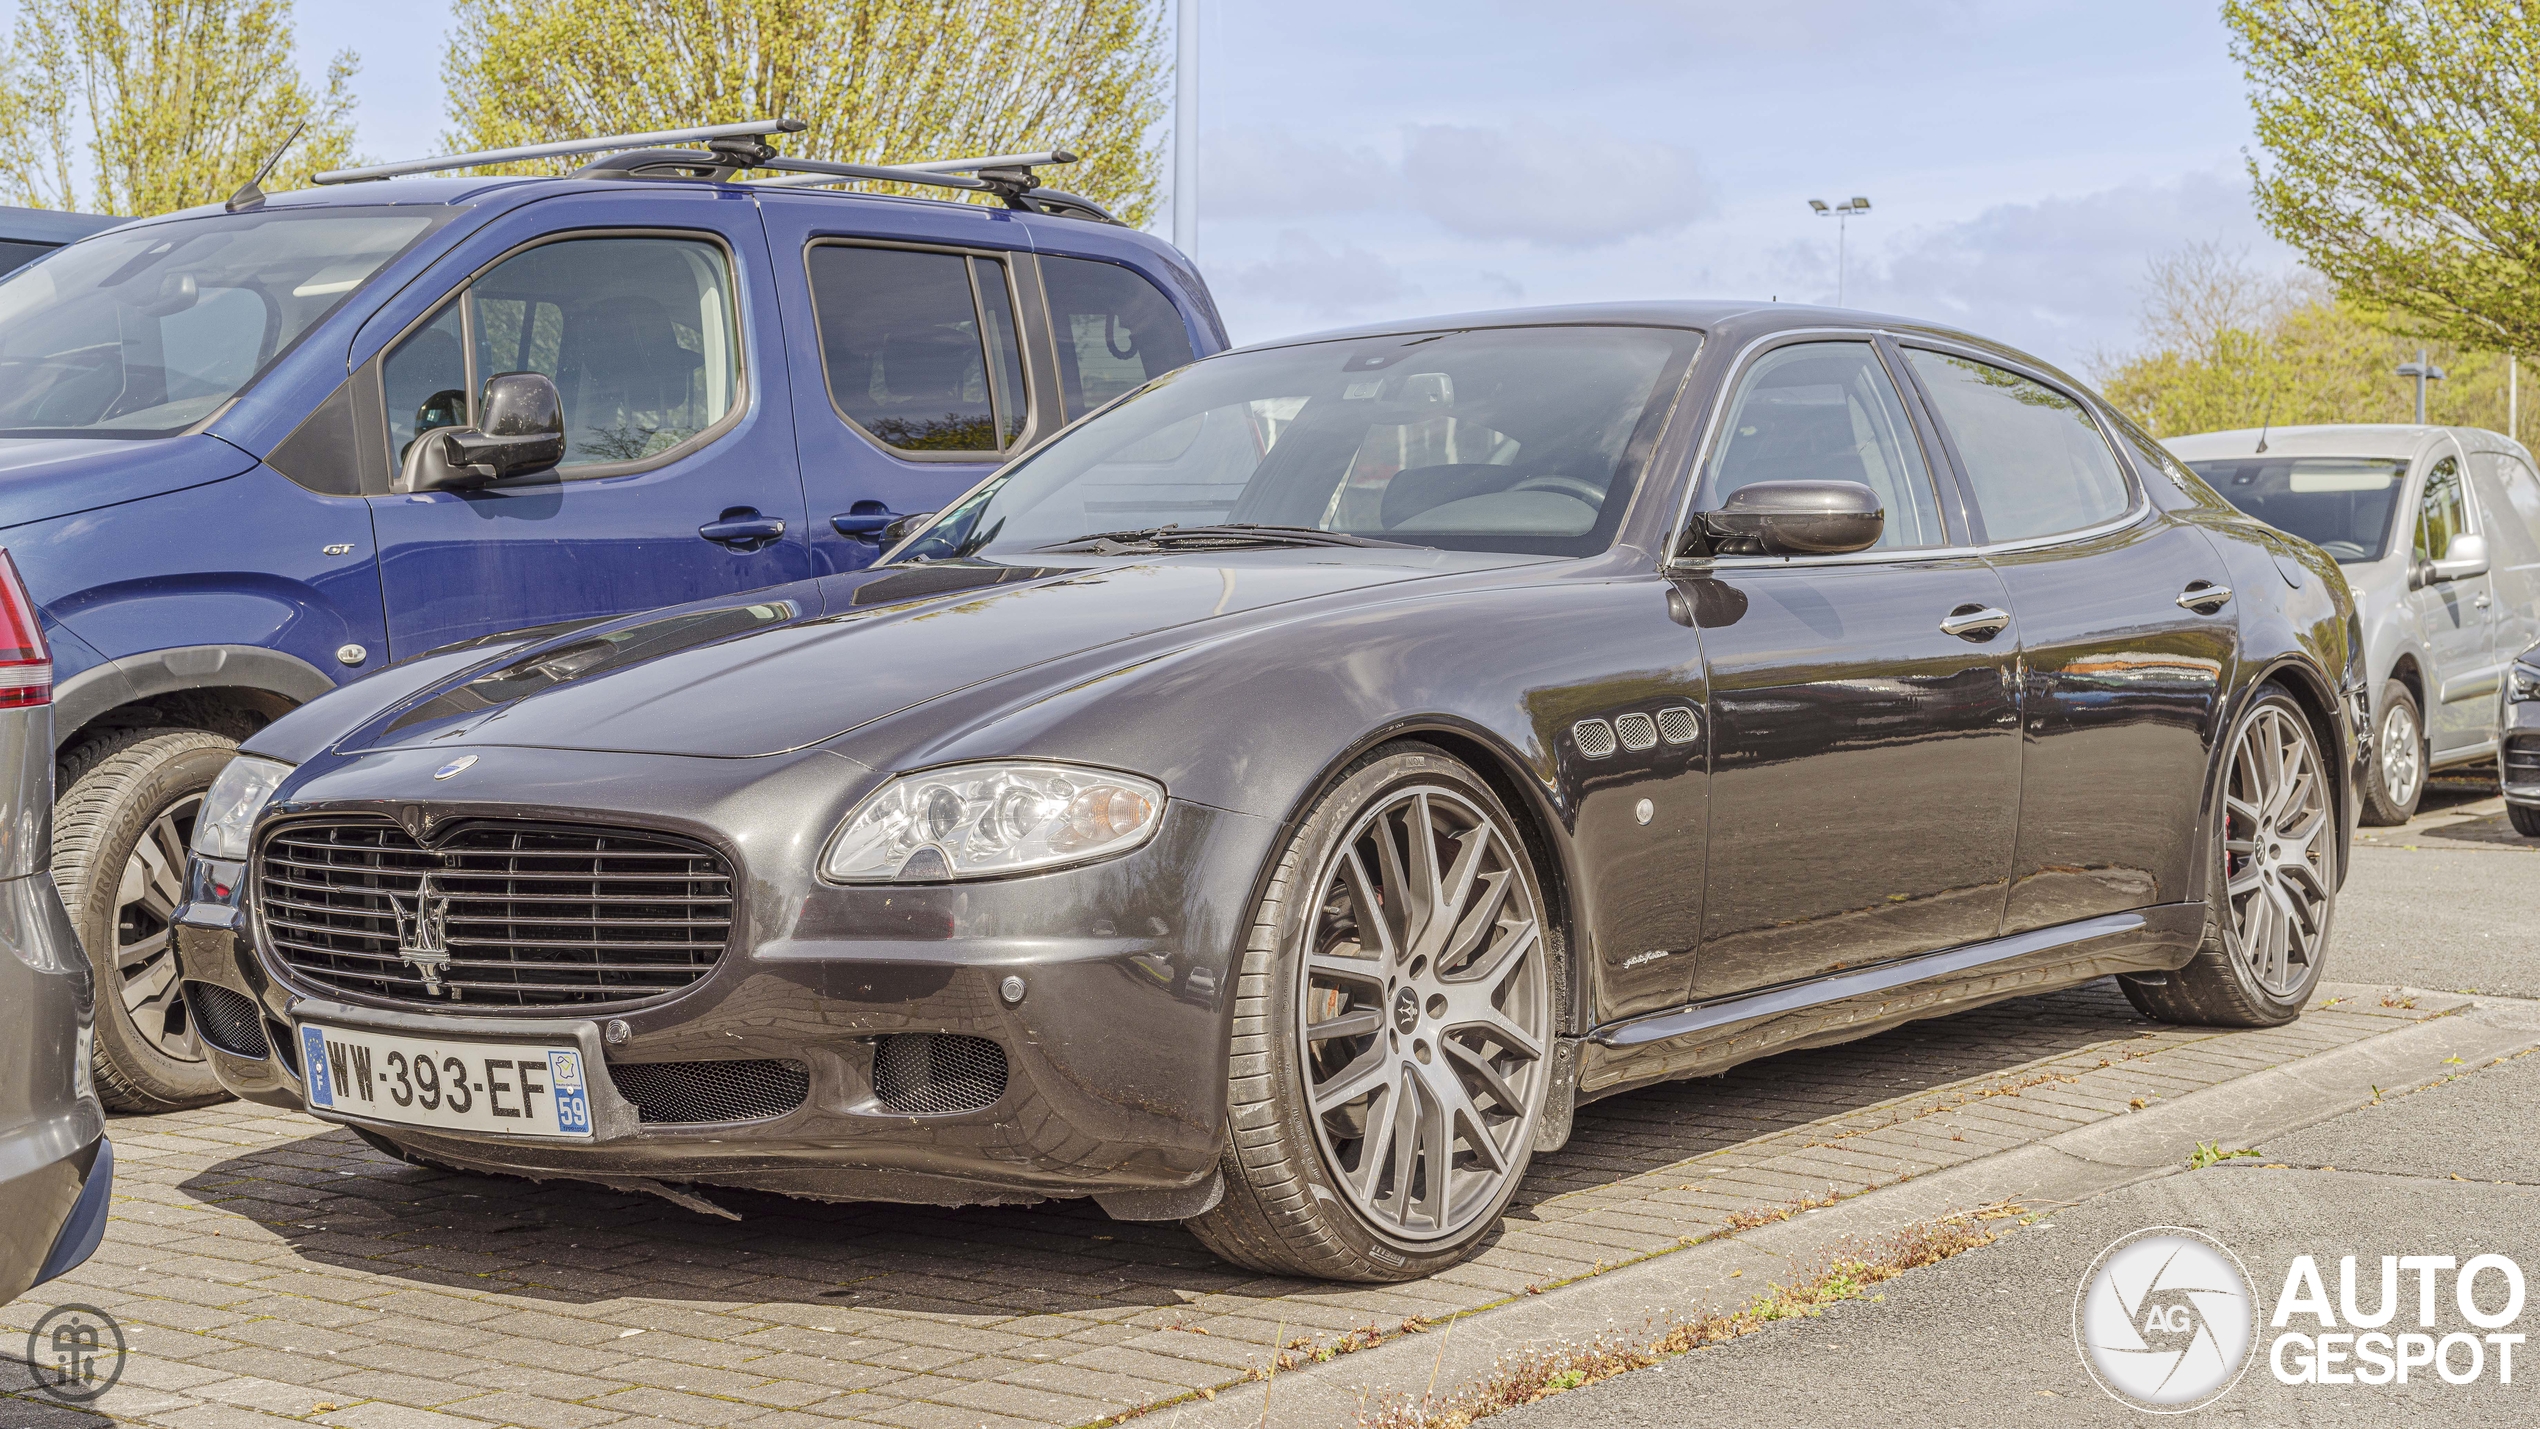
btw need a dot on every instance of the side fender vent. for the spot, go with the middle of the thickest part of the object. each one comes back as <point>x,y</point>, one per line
<point>1678,725</point>
<point>1637,731</point>
<point>1594,737</point>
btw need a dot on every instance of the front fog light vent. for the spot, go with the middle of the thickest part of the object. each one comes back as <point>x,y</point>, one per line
<point>937,1074</point>
<point>227,1020</point>
<point>677,1093</point>
<point>1594,737</point>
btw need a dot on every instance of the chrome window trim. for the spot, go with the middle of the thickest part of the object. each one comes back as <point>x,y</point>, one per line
<point>2139,508</point>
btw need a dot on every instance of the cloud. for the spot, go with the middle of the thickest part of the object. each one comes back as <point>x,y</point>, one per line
<point>2061,277</point>
<point>1254,172</point>
<point>1302,273</point>
<point>1549,185</point>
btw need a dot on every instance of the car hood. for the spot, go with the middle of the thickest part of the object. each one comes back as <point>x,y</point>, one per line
<point>42,478</point>
<point>777,670</point>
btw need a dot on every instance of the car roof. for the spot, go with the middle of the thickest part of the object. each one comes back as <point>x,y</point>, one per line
<point>1751,317</point>
<point>2386,439</point>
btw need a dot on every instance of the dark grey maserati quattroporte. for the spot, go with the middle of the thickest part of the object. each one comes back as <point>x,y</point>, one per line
<point>1278,800</point>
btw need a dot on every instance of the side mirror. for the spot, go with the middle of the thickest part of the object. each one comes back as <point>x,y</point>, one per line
<point>1796,518</point>
<point>899,530</point>
<point>523,432</point>
<point>2466,558</point>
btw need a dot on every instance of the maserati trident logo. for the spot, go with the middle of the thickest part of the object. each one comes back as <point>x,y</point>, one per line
<point>423,940</point>
<point>454,766</point>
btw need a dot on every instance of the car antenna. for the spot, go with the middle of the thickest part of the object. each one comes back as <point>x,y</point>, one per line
<point>2267,423</point>
<point>252,192</point>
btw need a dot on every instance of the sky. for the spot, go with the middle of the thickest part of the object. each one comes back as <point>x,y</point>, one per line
<point>2024,161</point>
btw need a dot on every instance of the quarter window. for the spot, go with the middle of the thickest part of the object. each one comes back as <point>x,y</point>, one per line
<point>1826,411</point>
<point>1114,330</point>
<point>2523,491</point>
<point>2037,463</point>
<point>920,348</point>
<point>639,334</point>
<point>2442,513</point>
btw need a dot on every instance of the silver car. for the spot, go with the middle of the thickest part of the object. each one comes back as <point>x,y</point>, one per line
<point>2438,531</point>
<point>57,1169</point>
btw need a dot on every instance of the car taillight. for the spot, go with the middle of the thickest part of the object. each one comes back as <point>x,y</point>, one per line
<point>26,663</point>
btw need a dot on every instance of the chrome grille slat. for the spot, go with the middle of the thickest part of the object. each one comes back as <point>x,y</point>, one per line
<point>652,914</point>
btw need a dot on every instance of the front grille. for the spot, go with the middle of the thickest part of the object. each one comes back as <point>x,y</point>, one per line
<point>228,1020</point>
<point>515,915</point>
<point>934,1074</point>
<point>2522,760</point>
<point>678,1092</point>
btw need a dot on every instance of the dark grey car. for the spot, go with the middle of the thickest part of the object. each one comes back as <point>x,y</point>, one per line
<point>57,1170</point>
<point>1278,800</point>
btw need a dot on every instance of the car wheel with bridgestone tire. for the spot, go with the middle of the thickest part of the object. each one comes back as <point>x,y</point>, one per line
<point>120,830</point>
<point>2274,876</point>
<point>2394,778</point>
<point>1395,1009</point>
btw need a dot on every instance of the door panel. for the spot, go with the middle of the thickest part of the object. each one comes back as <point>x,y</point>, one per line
<point>655,316</point>
<point>2122,687</point>
<point>1865,768</point>
<point>2455,620</point>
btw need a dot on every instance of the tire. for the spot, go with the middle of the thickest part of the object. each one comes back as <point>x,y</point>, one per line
<point>2274,866</point>
<point>2526,820</point>
<point>2395,780</point>
<point>1393,1023</point>
<point>120,829</point>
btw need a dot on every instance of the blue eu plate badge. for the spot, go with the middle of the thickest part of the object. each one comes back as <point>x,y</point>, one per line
<point>573,1104</point>
<point>313,1065</point>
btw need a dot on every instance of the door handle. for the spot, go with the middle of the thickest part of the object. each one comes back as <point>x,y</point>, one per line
<point>1975,622</point>
<point>2204,597</point>
<point>864,521</point>
<point>743,529</point>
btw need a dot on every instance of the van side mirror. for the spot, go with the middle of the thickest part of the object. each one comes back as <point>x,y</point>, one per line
<point>522,433</point>
<point>2467,557</point>
<point>1795,518</point>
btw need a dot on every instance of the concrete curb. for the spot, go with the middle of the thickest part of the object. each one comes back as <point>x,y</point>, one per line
<point>1722,1273</point>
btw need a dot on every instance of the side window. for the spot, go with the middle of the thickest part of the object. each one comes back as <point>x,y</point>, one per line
<point>639,334</point>
<point>1114,330</point>
<point>905,341</point>
<point>2522,492</point>
<point>1826,411</point>
<point>2037,462</point>
<point>2442,512</point>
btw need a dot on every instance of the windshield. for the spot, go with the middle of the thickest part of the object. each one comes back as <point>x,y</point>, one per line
<point>2340,504</point>
<point>1508,439</point>
<point>143,333</point>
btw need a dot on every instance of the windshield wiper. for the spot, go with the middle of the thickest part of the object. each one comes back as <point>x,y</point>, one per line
<point>1226,537</point>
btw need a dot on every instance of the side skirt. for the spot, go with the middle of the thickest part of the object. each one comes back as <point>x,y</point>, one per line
<point>1710,1037</point>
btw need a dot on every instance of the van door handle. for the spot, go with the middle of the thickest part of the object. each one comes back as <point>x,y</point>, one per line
<point>1975,622</point>
<point>743,529</point>
<point>2204,597</point>
<point>864,521</point>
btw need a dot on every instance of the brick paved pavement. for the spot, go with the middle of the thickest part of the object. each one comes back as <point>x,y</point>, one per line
<point>266,1267</point>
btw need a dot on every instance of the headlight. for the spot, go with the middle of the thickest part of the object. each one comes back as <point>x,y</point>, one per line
<point>2523,683</point>
<point>229,811</point>
<point>980,820</point>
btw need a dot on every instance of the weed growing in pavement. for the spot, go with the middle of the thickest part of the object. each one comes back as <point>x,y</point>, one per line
<point>2210,1153</point>
<point>1846,1274</point>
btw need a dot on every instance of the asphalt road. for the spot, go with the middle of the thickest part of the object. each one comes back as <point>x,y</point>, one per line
<point>1987,1338</point>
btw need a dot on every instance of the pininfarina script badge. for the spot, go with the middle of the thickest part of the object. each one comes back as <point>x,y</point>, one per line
<point>423,940</point>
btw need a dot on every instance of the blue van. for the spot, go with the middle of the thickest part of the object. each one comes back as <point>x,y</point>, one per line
<point>27,234</point>
<point>227,436</point>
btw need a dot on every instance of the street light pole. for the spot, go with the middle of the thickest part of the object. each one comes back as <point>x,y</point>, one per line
<point>1842,214</point>
<point>2424,372</point>
<point>1186,128</point>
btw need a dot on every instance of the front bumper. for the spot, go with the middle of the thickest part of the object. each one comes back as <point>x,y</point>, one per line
<point>1116,1052</point>
<point>2518,752</point>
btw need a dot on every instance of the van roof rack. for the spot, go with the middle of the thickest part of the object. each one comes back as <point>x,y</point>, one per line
<point>733,149</point>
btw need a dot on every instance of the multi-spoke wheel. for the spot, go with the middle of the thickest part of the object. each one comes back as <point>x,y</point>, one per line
<point>2396,778</point>
<point>2275,879</point>
<point>1394,1026</point>
<point>119,839</point>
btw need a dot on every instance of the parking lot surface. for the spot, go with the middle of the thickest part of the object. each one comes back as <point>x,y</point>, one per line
<point>267,1267</point>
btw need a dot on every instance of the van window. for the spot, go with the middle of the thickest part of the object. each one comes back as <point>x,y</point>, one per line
<point>2442,513</point>
<point>1115,331</point>
<point>2036,460</point>
<point>2522,491</point>
<point>424,382</point>
<point>905,347</point>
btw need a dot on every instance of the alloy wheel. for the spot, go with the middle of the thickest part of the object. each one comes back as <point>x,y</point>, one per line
<point>2276,849</point>
<point>145,930</point>
<point>1425,1015</point>
<point>2402,755</point>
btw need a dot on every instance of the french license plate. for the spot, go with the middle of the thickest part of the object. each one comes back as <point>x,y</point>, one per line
<point>456,1086</point>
